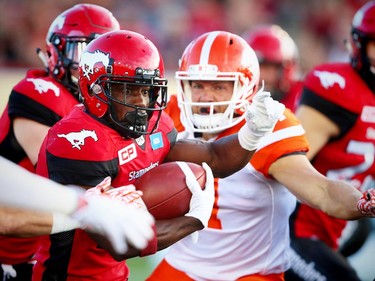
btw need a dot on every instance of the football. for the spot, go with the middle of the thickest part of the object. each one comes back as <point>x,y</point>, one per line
<point>165,192</point>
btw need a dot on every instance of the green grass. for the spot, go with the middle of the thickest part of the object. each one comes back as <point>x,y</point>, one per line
<point>141,268</point>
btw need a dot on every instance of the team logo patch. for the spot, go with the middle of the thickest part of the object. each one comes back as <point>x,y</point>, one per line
<point>156,141</point>
<point>127,154</point>
<point>57,23</point>
<point>329,79</point>
<point>368,114</point>
<point>78,138</point>
<point>89,60</point>
<point>42,86</point>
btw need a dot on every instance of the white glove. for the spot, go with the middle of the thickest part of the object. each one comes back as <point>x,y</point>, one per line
<point>119,222</point>
<point>261,118</point>
<point>126,194</point>
<point>202,201</point>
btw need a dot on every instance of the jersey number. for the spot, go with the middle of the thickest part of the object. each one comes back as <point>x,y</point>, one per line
<point>367,150</point>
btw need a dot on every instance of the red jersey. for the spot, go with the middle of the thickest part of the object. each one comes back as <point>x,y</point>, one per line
<point>83,150</point>
<point>338,91</point>
<point>291,99</point>
<point>40,98</point>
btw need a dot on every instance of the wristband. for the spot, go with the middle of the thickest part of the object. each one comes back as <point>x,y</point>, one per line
<point>247,139</point>
<point>152,245</point>
<point>63,223</point>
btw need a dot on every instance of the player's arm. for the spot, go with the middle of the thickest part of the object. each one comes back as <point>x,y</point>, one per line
<point>70,209</point>
<point>22,223</point>
<point>336,198</point>
<point>226,150</point>
<point>228,155</point>
<point>318,128</point>
<point>168,232</point>
<point>27,202</point>
<point>30,135</point>
<point>22,189</point>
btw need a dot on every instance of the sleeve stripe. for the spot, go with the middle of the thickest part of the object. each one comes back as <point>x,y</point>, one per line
<point>292,131</point>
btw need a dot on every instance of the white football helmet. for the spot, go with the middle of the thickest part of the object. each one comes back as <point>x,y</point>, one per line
<point>217,56</point>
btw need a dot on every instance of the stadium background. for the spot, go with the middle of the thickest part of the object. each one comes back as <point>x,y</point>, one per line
<point>319,28</point>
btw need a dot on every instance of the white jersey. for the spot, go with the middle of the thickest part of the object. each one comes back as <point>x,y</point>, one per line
<point>248,231</point>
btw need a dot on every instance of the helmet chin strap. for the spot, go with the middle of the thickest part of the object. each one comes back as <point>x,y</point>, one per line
<point>42,56</point>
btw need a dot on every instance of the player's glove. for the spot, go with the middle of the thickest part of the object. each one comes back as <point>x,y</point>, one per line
<point>366,204</point>
<point>119,222</point>
<point>261,118</point>
<point>126,194</point>
<point>202,201</point>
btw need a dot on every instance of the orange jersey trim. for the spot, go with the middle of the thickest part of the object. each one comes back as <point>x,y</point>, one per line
<point>164,271</point>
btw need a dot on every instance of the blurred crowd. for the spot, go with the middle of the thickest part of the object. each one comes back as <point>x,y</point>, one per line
<point>319,27</point>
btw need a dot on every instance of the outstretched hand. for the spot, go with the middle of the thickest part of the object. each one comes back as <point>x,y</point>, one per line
<point>261,117</point>
<point>264,112</point>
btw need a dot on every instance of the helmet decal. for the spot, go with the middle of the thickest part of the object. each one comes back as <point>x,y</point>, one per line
<point>58,23</point>
<point>88,61</point>
<point>357,19</point>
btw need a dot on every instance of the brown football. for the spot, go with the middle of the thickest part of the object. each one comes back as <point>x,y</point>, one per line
<point>165,192</point>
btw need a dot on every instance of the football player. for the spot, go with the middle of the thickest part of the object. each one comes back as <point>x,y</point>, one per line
<point>336,112</point>
<point>248,232</point>
<point>278,60</point>
<point>37,102</point>
<point>121,132</point>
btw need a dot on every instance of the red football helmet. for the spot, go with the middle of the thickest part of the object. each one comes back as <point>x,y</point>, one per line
<point>274,46</point>
<point>126,58</point>
<point>69,34</point>
<point>217,56</point>
<point>363,30</point>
